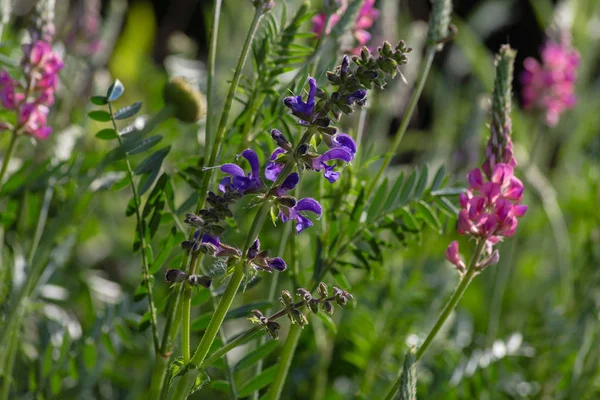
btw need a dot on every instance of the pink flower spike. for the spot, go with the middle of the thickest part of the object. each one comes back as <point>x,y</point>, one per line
<point>475,179</point>
<point>453,256</point>
<point>502,174</point>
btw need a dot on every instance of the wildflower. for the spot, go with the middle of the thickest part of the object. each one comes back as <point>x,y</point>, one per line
<point>297,213</point>
<point>453,256</point>
<point>364,20</point>
<point>238,180</point>
<point>304,111</point>
<point>550,85</point>
<point>260,260</point>
<point>32,120</point>
<point>209,244</point>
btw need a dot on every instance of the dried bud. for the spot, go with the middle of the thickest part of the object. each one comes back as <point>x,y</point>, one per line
<point>273,329</point>
<point>286,298</point>
<point>175,276</point>
<point>193,220</point>
<point>303,293</point>
<point>313,304</point>
<point>263,5</point>
<point>258,314</point>
<point>287,201</point>
<point>299,318</point>
<point>187,101</point>
<point>322,290</point>
<point>328,307</point>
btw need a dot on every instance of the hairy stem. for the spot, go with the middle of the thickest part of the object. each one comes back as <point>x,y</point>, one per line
<point>146,276</point>
<point>454,299</point>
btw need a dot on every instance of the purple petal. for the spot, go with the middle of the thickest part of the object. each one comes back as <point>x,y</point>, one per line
<point>252,158</point>
<point>330,174</point>
<point>309,204</point>
<point>197,234</point>
<point>288,184</point>
<point>214,240</point>
<point>225,184</point>
<point>254,249</point>
<point>345,142</point>
<point>312,91</point>
<point>276,153</point>
<point>338,153</point>
<point>277,263</point>
<point>302,223</point>
<point>232,169</point>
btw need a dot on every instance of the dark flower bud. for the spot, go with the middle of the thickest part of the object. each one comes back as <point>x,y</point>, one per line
<point>333,78</point>
<point>313,304</point>
<point>196,280</point>
<point>286,201</point>
<point>386,50</point>
<point>215,230</point>
<point>331,130</point>
<point>286,298</point>
<point>303,293</point>
<point>365,54</point>
<point>175,276</point>
<point>263,5</point>
<point>345,67</point>
<point>273,329</point>
<point>280,139</point>
<point>302,149</point>
<point>277,264</point>
<point>299,318</point>
<point>328,307</point>
<point>258,314</point>
<point>193,220</point>
<point>253,250</point>
<point>322,290</point>
<point>187,244</point>
<point>322,122</point>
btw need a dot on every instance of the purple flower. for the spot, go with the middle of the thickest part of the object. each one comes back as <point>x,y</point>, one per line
<point>280,140</point>
<point>301,109</point>
<point>260,260</point>
<point>238,179</point>
<point>337,153</point>
<point>273,169</point>
<point>289,183</point>
<point>214,245</point>
<point>358,96</point>
<point>297,213</point>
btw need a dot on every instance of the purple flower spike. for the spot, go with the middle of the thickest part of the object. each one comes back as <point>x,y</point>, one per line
<point>288,184</point>
<point>345,142</point>
<point>238,179</point>
<point>300,108</point>
<point>357,96</point>
<point>295,213</point>
<point>273,168</point>
<point>337,153</point>
<point>277,263</point>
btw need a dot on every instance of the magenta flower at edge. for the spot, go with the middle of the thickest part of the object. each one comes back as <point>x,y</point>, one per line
<point>549,86</point>
<point>41,66</point>
<point>364,20</point>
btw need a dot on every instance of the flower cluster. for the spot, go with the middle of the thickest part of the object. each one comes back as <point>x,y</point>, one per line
<point>364,20</point>
<point>31,100</point>
<point>293,309</point>
<point>549,86</point>
<point>83,36</point>
<point>492,204</point>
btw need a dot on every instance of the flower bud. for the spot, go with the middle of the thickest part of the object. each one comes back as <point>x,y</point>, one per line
<point>328,307</point>
<point>286,298</point>
<point>188,102</point>
<point>322,290</point>
<point>196,280</point>
<point>175,276</point>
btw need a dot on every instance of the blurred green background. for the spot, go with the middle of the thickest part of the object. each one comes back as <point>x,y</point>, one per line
<point>526,328</point>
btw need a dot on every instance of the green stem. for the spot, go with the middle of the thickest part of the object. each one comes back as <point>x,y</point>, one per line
<point>143,245</point>
<point>7,155</point>
<point>285,361</point>
<point>186,382</point>
<point>238,341</point>
<point>454,299</point>
<point>9,361</point>
<point>429,56</point>
<point>185,325</point>
<point>41,224</point>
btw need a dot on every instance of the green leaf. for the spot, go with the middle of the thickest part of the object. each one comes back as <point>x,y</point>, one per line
<point>220,385</point>
<point>328,322</point>
<point>90,354</point>
<point>421,183</point>
<point>408,219</point>
<point>391,200</point>
<point>115,91</point>
<point>258,382</point>
<point>164,252</point>
<point>256,355</point>
<point>99,100</point>
<point>428,215</point>
<point>99,115</point>
<point>438,180</point>
<point>108,344</point>
<point>147,181</point>
<point>377,203</point>
<point>407,188</point>
<point>130,210</point>
<point>107,134</point>
<point>153,162</point>
<point>55,384</point>
<point>128,111</point>
<point>142,145</point>
<point>446,206</point>
<point>47,361</point>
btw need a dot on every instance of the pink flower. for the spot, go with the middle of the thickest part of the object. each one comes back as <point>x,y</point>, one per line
<point>41,66</point>
<point>453,256</point>
<point>364,20</point>
<point>550,85</point>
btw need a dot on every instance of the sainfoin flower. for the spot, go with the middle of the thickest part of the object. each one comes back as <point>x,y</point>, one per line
<point>549,86</point>
<point>41,66</point>
<point>364,20</point>
<point>238,180</point>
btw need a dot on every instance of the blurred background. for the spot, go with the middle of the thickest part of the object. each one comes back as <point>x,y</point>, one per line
<point>526,328</point>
